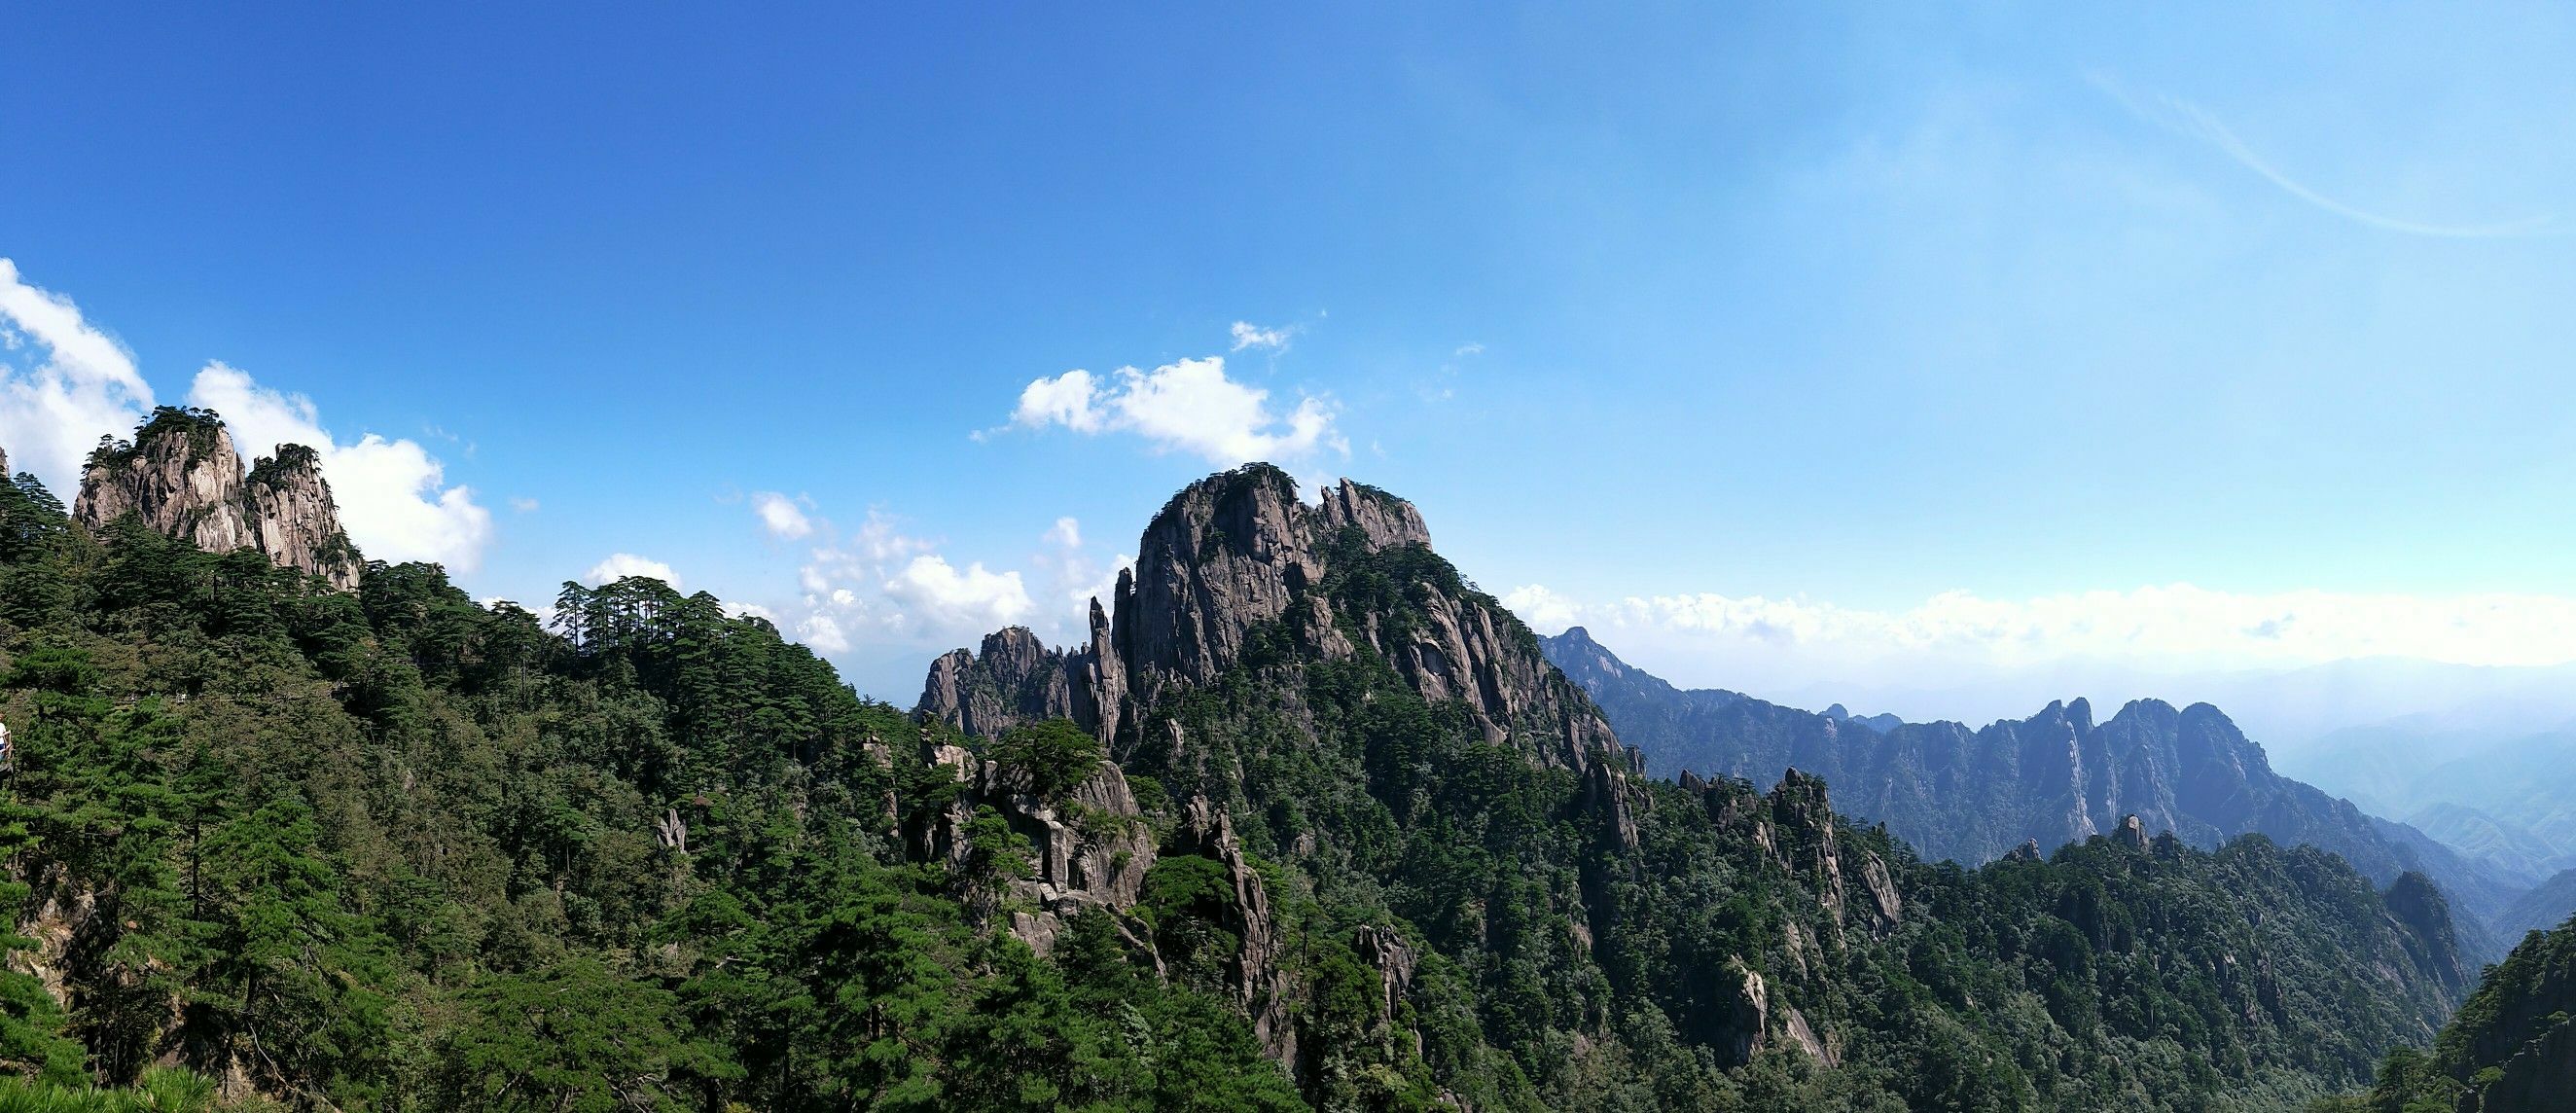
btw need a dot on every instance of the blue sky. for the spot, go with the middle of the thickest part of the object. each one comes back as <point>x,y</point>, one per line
<point>1800,346</point>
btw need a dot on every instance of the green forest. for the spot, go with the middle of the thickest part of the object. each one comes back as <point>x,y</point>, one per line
<point>273,845</point>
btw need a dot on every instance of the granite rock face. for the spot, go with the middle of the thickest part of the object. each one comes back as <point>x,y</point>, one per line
<point>1260,985</point>
<point>1015,679</point>
<point>289,508</point>
<point>1089,847</point>
<point>1235,571</point>
<point>1852,884</point>
<point>2057,777</point>
<point>1235,553</point>
<point>181,477</point>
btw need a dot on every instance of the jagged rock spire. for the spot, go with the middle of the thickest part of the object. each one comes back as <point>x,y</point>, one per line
<point>290,509</point>
<point>1232,553</point>
<point>181,477</point>
<point>1227,553</point>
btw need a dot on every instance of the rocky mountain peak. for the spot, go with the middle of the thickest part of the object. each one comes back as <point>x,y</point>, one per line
<point>1237,554</point>
<point>1225,554</point>
<point>1385,520</point>
<point>2418,906</point>
<point>181,477</point>
<point>290,510</point>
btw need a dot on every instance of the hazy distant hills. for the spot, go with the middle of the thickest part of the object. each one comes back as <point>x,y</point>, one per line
<point>2506,799</point>
<point>2523,783</point>
<point>2055,777</point>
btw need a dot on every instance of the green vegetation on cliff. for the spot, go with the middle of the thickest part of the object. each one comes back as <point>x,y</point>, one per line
<point>393,850</point>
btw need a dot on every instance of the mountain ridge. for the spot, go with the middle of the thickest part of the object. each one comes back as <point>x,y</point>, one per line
<point>2056,777</point>
<point>1323,683</point>
<point>180,477</point>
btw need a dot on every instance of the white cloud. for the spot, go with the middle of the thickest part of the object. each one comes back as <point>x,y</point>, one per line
<point>391,492</point>
<point>781,516</point>
<point>1066,533</point>
<point>823,633</point>
<point>53,412</point>
<point>1102,587</point>
<point>975,599</point>
<point>1063,400</point>
<point>618,566</point>
<point>524,505</point>
<point>2170,626</point>
<point>1249,335</point>
<point>1190,406</point>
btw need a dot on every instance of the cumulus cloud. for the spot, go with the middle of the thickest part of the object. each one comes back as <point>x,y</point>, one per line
<point>1188,406</point>
<point>2176,625</point>
<point>823,633</point>
<point>1249,335</point>
<point>392,493</point>
<point>880,584</point>
<point>63,384</point>
<point>1066,532</point>
<point>1073,576</point>
<point>1063,400</point>
<point>618,566</point>
<point>944,596</point>
<point>781,516</point>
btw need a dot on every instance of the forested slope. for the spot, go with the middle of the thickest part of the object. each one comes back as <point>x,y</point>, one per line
<point>1360,847</point>
<point>2511,1048</point>
<point>2056,777</point>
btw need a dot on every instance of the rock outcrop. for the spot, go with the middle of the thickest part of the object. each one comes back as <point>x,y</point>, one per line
<point>1747,1021</point>
<point>1088,848</point>
<point>1809,845</point>
<point>1259,984</point>
<point>2429,935</point>
<point>1238,552</point>
<point>2058,776</point>
<point>2132,833</point>
<point>1016,679</point>
<point>181,477</point>
<point>289,508</point>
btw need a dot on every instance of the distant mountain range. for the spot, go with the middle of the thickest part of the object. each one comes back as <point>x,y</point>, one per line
<point>2057,777</point>
<point>2505,797</point>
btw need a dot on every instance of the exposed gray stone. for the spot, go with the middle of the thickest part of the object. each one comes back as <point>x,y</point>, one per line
<point>181,477</point>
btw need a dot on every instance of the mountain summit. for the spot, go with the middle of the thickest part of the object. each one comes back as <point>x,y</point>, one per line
<point>2056,777</point>
<point>1350,793</point>
<point>180,476</point>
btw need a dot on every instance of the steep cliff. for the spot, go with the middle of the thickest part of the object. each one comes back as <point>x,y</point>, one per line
<point>2510,1049</point>
<point>289,508</point>
<point>2057,777</point>
<point>181,477</point>
<point>1420,859</point>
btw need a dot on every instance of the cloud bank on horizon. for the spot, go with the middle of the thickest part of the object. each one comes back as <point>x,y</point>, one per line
<point>1954,637</point>
<point>64,384</point>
